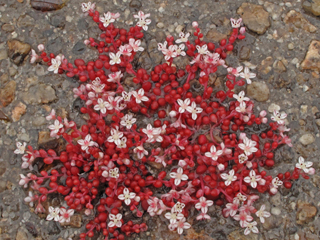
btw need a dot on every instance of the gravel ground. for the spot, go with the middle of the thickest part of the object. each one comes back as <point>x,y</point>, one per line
<point>282,47</point>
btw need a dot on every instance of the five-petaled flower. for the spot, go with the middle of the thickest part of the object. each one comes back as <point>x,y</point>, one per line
<point>127,196</point>
<point>114,173</point>
<point>235,23</point>
<point>140,151</point>
<point>178,176</point>
<point>116,136</point>
<point>135,45</point>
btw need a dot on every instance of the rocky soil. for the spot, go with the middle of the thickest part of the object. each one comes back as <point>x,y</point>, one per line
<point>282,47</point>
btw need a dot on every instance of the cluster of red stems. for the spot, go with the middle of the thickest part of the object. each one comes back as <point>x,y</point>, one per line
<point>112,164</point>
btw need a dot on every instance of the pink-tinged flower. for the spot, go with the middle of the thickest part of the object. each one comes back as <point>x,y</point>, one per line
<point>203,204</point>
<point>231,209</point>
<point>55,128</point>
<point>115,16</point>
<point>203,216</point>
<point>125,50</point>
<point>247,209</point>
<point>107,19</point>
<point>275,184</point>
<point>78,92</point>
<point>183,37</point>
<point>182,163</point>
<point>86,7</point>
<point>24,180</point>
<point>140,151</point>
<point>211,58</point>
<point>252,199</point>
<point>235,71</point>
<point>115,58</point>
<point>30,199</point>
<point>140,96</point>
<point>53,214</point>
<point>195,24</point>
<point>194,110</point>
<point>250,227</point>
<point>115,77</point>
<point>182,224</point>
<point>41,47</point>
<point>114,103</point>
<point>241,97</point>
<point>178,207</point>
<point>262,214</point>
<point>135,45</point>
<point>128,120</point>
<point>229,178</point>
<point>235,23</point>
<point>225,150</point>
<point>242,30</point>
<point>242,158</point>
<point>178,176</point>
<point>114,173</point>
<point>304,165</point>
<point>203,50</point>
<point>101,106</point>
<point>179,50</point>
<point>278,117</point>
<point>213,154</point>
<point>115,220</point>
<point>252,179</point>
<point>65,215</point>
<point>242,108</point>
<point>126,96</point>
<point>243,217</point>
<point>68,124</point>
<point>21,148</point>
<point>183,104</point>
<point>86,142</point>
<point>246,74</point>
<point>172,194</point>
<point>197,59</point>
<point>55,64</point>
<point>52,115</point>
<point>173,216</point>
<point>153,205</point>
<point>127,196</point>
<point>115,135</point>
<point>171,52</point>
<point>142,20</point>
<point>150,131</point>
<point>27,161</point>
<point>248,146</point>
<point>34,56</point>
<point>160,160</point>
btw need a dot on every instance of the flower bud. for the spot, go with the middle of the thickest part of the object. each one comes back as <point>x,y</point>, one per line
<point>195,24</point>
<point>242,30</point>
<point>41,47</point>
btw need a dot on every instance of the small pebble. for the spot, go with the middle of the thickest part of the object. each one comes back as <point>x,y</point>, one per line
<point>290,46</point>
<point>275,211</point>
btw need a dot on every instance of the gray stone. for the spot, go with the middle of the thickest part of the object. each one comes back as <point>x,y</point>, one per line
<point>48,5</point>
<point>312,7</point>
<point>259,91</point>
<point>25,21</point>
<point>254,17</point>
<point>307,139</point>
<point>21,235</point>
<point>40,93</point>
<point>135,4</point>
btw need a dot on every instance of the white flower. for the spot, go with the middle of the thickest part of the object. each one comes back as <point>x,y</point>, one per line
<point>140,96</point>
<point>194,110</point>
<point>140,151</point>
<point>24,180</point>
<point>125,50</point>
<point>65,215</point>
<point>252,179</point>
<point>41,47</point>
<point>115,77</point>
<point>183,37</point>
<point>235,71</point>
<point>107,19</point>
<point>115,220</point>
<point>304,165</point>
<point>242,158</point>
<point>101,106</point>
<point>240,197</point>
<point>179,50</point>
<point>178,176</point>
<point>127,196</point>
<point>114,173</point>
<point>240,98</point>
<point>182,224</point>
<point>229,178</point>
<point>123,143</point>
<point>274,185</point>
<point>34,56</point>
<point>162,47</point>
<point>173,216</point>
<point>170,52</point>
<point>27,161</point>
<point>86,142</point>
<point>242,108</point>
<point>56,126</point>
<point>262,214</point>
<point>178,207</point>
<point>247,75</point>
<point>250,227</point>
<point>152,133</point>
<point>214,154</point>
<point>20,148</point>
<point>135,45</point>
<point>86,7</point>
<point>203,49</point>
<point>29,199</point>
<point>277,117</point>
<point>55,64</point>
<point>52,114</point>
<point>53,214</point>
<point>203,204</point>
<point>126,96</point>
<point>115,58</point>
<point>248,146</point>
<point>143,22</point>
<point>183,104</point>
<point>128,120</point>
<point>115,136</point>
<point>236,23</point>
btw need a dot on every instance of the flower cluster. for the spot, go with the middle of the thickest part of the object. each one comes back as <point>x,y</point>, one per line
<point>149,130</point>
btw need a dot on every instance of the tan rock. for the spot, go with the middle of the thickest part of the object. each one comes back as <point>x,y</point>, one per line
<point>254,17</point>
<point>299,21</point>
<point>259,91</point>
<point>265,66</point>
<point>214,35</point>
<point>18,111</point>
<point>3,116</point>
<point>306,212</point>
<point>18,51</point>
<point>7,93</point>
<point>238,235</point>
<point>48,5</point>
<point>75,221</point>
<point>312,59</point>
